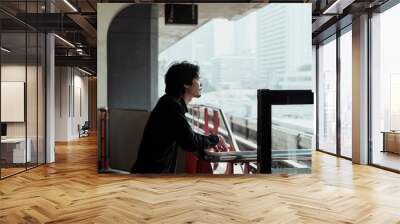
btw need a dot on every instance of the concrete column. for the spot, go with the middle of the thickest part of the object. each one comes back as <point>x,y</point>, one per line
<point>50,99</point>
<point>127,74</point>
<point>132,58</point>
<point>360,90</point>
<point>105,14</point>
<point>50,92</point>
<point>62,103</point>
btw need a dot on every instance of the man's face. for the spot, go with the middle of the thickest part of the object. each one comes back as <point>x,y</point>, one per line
<point>195,89</point>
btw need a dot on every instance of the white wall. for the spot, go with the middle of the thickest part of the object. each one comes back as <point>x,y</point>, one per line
<point>79,117</point>
<point>70,83</point>
<point>61,103</point>
<point>12,73</point>
<point>16,73</point>
<point>33,126</point>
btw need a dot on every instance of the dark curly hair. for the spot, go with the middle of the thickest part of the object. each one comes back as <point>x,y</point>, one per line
<point>178,75</point>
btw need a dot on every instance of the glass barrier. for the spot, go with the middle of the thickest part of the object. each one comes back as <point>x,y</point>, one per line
<point>22,78</point>
<point>15,153</point>
<point>291,138</point>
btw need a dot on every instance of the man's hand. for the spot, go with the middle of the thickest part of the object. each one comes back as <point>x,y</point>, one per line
<point>221,146</point>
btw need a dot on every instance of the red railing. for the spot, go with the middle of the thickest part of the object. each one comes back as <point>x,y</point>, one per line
<point>104,164</point>
<point>197,165</point>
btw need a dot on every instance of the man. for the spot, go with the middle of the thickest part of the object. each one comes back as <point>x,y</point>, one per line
<point>167,127</point>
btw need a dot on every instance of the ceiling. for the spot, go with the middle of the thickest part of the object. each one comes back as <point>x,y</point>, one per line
<point>169,34</point>
<point>80,27</point>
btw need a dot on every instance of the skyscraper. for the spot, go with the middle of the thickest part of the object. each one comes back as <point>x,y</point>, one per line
<point>283,48</point>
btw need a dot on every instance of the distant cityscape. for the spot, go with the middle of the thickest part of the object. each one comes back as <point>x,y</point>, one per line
<point>269,48</point>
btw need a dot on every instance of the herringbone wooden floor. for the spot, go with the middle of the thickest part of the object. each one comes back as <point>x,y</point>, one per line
<point>71,191</point>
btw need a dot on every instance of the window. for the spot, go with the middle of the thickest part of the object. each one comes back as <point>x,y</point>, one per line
<point>269,48</point>
<point>327,96</point>
<point>385,89</point>
<point>346,94</point>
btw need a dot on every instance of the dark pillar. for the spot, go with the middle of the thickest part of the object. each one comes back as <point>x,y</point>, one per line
<point>132,68</point>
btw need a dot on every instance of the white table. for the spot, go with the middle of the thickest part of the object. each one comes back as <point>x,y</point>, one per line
<point>19,154</point>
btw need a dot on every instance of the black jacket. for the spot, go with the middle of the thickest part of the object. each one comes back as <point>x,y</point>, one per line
<point>166,129</point>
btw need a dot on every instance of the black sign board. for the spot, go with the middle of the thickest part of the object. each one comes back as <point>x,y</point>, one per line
<point>184,14</point>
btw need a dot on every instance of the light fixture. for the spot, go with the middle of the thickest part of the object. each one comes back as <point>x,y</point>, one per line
<point>80,51</point>
<point>337,7</point>
<point>65,41</point>
<point>84,71</point>
<point>70,5</point>
<point>5,50</point>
